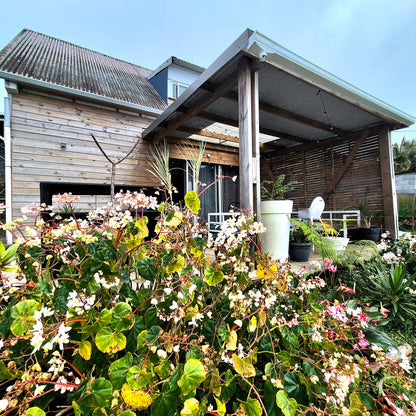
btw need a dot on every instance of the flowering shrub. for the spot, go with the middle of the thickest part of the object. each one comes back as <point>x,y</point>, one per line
<point>101,319</point>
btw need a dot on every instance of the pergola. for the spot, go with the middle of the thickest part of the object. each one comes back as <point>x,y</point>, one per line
<point>266,101</point>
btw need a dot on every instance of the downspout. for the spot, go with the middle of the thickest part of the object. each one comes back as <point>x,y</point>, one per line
<point>11,87</point>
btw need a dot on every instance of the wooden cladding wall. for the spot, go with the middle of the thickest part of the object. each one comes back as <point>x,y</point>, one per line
<point>314,167</point>
<point>40,124</point>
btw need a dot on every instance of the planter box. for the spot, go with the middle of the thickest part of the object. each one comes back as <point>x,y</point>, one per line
<point>275,216</point>
<point>338,243</point>
<point>299,251</point>
<point>372,234</point>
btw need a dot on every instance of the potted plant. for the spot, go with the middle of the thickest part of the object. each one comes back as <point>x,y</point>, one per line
<point>369,232</point>
<point>331,235</point>
<point>299,244</point>
<point>275,214</point>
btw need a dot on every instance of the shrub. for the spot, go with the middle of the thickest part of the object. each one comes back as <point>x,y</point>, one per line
<point>104,320</point>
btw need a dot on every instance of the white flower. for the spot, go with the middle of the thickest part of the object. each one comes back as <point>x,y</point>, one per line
<point>162,353</point>
<point>405,364</point>
<point>40,388</point>
<point>1,344</point>
<point>154,301</point>
<point>3,404</point>
<point>314,379</point>
<point>36,341</point>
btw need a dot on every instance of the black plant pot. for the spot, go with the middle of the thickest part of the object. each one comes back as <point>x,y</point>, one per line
<point>299,251</point>
<point>372,234</point>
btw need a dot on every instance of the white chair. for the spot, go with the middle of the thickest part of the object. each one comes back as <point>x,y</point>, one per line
<point>314,212</point>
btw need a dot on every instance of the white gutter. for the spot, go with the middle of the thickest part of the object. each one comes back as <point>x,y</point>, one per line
<point>8,162</point>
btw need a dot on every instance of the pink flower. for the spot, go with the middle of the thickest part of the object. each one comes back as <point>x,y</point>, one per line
<point>330,334</point>
<point>363,343</point>
<point>66,198</point>
<point>2,208</point>
<point>35,209</point>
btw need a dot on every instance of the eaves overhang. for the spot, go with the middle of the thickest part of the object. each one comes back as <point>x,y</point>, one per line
<point>77,94</point>
<point>279,57</point>
<point>299,102</point>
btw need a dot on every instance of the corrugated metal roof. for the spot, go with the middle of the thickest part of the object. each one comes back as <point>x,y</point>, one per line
<point>35,56</point>
<point>298,102</point>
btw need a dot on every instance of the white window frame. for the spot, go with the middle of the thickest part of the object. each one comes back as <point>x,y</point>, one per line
<point>177,84</point>
<point>218,186</point>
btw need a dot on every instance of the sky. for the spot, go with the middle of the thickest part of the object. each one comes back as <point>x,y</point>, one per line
<point>368,43</point>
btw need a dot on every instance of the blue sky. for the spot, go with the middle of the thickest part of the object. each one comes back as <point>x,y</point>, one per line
<point>369,43</point>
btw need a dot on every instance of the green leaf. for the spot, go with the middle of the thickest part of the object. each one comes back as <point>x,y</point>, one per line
<point>151,318</point>
<point>368,401</point>
<point>22,313</point>
<point>194,375</point>
<point>141,225</point>
<point>165,404</point>
<point>212,276</point>
<point>269,400</point>
<point>118,370</point>
<point>287,405</point>
<point>146,268</point>
<point>153,334</point>
<point>221,409</point>
<point>175,265</point>
<point>251,407</point>
<point>110,342</point>
<point>133,333</point>
<point>128,413</point>
<point>101,390</point>
<point>375,336</point>
<point>122,318</point>
<point>285,358</point>
<point>101,321</point>
<point>190,407</point>
<point>295,388</point>
<point>35,411</point>
<point>192,201</point>
<point>243,366</point>
<point>137,378</point>
<point>7,374</point>
<point>85,350</point>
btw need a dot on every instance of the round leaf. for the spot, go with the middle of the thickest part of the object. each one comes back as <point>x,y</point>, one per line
<point>243,366</point>
<point>288,406</point>
<point>85,350</point>
<point>192,201</point>
<point>110,342</point>
<point>212,276</point>
<point>119,369</point>
<point>252,407</point>
<point>35,411</point>
<point>194,375</point>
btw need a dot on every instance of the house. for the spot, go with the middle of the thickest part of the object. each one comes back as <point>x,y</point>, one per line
<point>260,109</point>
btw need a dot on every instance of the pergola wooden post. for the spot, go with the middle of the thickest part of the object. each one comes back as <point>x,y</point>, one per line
<point>391,220</point>
<point>248,121</point>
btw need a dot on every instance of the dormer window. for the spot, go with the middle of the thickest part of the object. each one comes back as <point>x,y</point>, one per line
<point>176,88</point>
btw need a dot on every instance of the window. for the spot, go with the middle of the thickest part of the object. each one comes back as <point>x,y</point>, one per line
<point>176,88</point>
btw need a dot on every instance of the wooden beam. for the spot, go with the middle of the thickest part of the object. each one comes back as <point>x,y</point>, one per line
<point>208,145</point>
<point>207,133</point>
<point>245,133</point>
<point>263,130</point>
<point>391,220</point>
<point>267,108</point>
<point>339,174</point>
<point>269,171</point>
<point>219,91</point>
